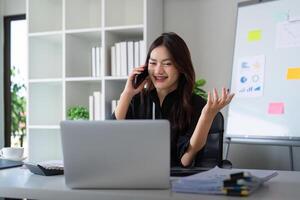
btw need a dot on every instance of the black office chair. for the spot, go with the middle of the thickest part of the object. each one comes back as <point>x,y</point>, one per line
<point>212,153</point>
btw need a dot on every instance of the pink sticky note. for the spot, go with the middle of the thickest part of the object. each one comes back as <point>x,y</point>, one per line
<point>276,108</point>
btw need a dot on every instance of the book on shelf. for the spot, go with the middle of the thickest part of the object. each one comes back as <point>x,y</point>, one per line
<point>114,104</point>
<point>124,57</point>
<point>136,53</point>
<point>118,59</point>
<point>91,107</point>
<point>93,59</point>
<point>113,61</point>
<point>130,57</point>
<point>101,66</point>
<point>97,60</point>
<point>95,106</point>
<point>142,48</point>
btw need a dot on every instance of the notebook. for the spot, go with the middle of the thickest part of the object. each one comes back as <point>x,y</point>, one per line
<point>4,164</point>
<point>124,154</point>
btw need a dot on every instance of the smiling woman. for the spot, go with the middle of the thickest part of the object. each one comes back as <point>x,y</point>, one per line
<point>163,73</point>
<point>168,94</point>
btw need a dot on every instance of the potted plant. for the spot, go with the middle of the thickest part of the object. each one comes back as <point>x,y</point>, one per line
<point>18,108</point>
<point>198,88</point>
<point>78,113</point>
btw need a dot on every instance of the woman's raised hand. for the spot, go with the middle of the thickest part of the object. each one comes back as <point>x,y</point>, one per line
<point>215,103</point>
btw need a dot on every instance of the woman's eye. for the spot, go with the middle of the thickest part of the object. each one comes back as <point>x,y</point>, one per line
<point>167,64</point>
<point>151,63</point>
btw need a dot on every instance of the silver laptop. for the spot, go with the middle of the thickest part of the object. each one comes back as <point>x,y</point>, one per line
<point>124,154</point>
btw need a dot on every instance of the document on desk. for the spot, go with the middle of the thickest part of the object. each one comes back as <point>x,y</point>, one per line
<point>211,181</point>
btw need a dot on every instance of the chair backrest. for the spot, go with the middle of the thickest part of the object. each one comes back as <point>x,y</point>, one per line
<point>212,153</point>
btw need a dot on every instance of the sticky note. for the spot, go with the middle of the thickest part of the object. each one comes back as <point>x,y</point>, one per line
<point>293,73</point>
<point>254,35</point>
<point>276,108</point>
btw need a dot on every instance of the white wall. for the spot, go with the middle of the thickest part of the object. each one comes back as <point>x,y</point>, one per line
<point>208,27</point>
<point>14,7</point>
<point>7,7</point>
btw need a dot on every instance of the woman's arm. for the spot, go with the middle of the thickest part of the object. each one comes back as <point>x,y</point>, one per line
<point>128,93</point>
<point>198,140</point>
<point>122,107</point>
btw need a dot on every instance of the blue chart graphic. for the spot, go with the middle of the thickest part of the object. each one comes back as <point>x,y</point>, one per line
<point>245,65</point>
<point>243,79</point>
<point>257,88</point>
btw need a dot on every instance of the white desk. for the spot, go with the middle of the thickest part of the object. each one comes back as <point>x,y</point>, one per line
<point>20,183</point>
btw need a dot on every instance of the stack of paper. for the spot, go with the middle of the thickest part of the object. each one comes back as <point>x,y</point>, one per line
<point>211,182</point>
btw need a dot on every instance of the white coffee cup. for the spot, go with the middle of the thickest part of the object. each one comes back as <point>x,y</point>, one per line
<point>12,152</point>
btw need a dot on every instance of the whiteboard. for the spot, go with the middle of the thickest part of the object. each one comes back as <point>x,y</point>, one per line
<point>266,71</point>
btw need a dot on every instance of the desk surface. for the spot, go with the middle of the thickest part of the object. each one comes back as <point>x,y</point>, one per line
<point>20,183</point>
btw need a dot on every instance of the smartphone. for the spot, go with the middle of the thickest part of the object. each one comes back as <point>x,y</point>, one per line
<point>138,79</point>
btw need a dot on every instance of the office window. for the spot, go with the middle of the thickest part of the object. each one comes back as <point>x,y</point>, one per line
<point>15,75</point>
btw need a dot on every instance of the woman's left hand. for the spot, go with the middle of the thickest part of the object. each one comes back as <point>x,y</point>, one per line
<point>215,103</point>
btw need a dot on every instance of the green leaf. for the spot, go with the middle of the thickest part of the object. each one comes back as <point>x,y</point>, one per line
<point>198,90</point>
<point>78,112</point>
<point>200,82</point>
<point>18,106</point>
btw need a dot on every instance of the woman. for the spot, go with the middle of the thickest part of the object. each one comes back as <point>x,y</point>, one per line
<point>169,95</point>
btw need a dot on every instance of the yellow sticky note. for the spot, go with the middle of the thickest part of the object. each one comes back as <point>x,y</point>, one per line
<point>293,73</point>
<point>254,35</point>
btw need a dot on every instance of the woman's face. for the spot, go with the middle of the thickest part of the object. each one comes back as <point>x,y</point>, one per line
<point>162,70</point>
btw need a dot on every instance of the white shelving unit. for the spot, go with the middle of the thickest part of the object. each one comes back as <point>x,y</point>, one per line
<point>61,36</point>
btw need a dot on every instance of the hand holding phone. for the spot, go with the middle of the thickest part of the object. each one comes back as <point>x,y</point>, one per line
<point>138,79</point>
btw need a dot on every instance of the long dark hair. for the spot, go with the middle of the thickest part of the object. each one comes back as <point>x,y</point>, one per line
<point>181,111</point>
